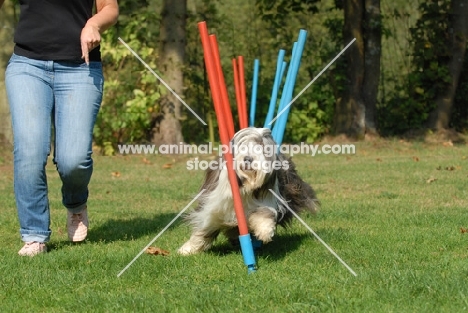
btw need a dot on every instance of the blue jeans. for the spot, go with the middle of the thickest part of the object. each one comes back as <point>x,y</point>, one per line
<point>42,95</point>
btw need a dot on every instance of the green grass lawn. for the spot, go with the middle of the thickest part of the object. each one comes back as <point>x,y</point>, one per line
<point>394,212</point>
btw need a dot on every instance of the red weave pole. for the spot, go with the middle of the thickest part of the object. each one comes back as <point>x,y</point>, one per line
<point>237,89</point>
<point>244,122</point>
<point>226,107</point>
<point>223,132</point>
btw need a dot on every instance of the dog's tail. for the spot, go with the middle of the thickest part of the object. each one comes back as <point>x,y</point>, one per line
<point>299,195</point>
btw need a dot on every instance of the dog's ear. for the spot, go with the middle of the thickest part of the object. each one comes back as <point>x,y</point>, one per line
<point>212,177</point>
<point>265,131</point>
<point>266,134</point>
<point>299,194</point>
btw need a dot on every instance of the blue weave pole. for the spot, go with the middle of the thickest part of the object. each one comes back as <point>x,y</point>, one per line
<point>253,99</point>
<point>284,95</point>
<point>248,252</point>
<point>283,112</point>
<point>280,68</point>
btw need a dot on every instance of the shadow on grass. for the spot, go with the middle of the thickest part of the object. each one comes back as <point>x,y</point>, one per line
<point>276,250</point>
<point>130,229</point>
<point>112,230</point>
<point>122,230</point>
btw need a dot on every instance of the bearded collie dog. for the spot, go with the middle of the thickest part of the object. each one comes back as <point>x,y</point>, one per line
<point>259,167</point>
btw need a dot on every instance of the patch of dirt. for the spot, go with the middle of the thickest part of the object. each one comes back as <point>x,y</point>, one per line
<point>435,137</point>
<point>338,139</point>
<point>444,136</point>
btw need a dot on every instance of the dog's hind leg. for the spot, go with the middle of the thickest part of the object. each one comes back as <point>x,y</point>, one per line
<point>262,222</point>
<point>232,235</point>
<point>199,241</point>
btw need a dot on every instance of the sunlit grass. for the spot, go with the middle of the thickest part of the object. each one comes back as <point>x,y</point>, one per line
<point>394,212</point>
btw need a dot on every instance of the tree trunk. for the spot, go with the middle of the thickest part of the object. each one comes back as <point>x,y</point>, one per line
<point>350,109</point>
<point>171,59</point>
<point>7,27</point>
<point>372,52</point>
<point>439,118</point>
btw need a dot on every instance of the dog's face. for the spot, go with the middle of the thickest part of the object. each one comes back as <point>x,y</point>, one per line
<point>255,158</point>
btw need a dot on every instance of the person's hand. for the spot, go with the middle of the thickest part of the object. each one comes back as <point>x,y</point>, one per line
<point>90,39</point>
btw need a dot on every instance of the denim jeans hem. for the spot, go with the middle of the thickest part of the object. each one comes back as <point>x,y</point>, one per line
<point>28,236</point>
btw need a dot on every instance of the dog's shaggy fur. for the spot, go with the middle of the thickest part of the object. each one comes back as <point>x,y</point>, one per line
<point>258,170</point>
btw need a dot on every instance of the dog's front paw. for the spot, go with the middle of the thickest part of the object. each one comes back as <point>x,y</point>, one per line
<point>198,242</point>
<point>188,249</point>
<point>265,234</point>
<point>263,224</point>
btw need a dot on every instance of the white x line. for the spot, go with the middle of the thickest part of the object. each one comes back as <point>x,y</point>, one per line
<point>161,80</point>
<point>161,232</point>
<point>313,233</point>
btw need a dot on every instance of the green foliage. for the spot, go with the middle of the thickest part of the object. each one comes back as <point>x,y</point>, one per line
<point>131,91</point>
<point>276,12</point>
<point>305,122</point>
<point>410,104</point>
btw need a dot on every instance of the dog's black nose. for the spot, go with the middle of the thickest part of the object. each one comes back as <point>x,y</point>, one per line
<point>248,159</point>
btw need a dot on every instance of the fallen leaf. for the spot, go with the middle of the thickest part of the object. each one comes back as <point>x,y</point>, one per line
<point>431,180</point>
<point>448,144</point>
<point>145,160</point>
<point>157,251</point>
<point>463,230</point>
<point>167,165</point>
<point>415,158</point>
<point>115,174</point>
<point>378,160</point>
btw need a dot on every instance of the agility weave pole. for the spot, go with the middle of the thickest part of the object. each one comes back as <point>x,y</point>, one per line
<point>253,99</point>
<point>280,68</point>
<point>288,89</point>
<point>221,86</point>
<point>239,86</point>
<point>244,122</point>
<point>235,71</point>
<point>210,49</point>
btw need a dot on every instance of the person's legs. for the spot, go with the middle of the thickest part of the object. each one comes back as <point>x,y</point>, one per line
<point>78,94</point>
<point>30,96</point>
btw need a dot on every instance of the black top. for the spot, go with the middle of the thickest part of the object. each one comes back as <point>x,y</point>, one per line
<point>51,29</point>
